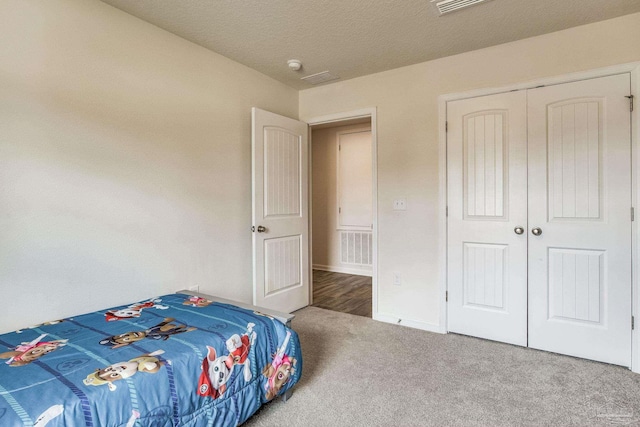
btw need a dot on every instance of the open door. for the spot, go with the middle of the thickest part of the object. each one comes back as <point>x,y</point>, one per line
<point>280,214</point>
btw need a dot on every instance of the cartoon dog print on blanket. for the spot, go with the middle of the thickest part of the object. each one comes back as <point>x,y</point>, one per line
<point>27,352</point>
<point>195,301</point>
<point>133,310</point>
<point>162,331</point>
<point>147,363</point>
<point>215,375</point>
<point>216,370</point>
<point>279,371</point>
<point>39,325</point>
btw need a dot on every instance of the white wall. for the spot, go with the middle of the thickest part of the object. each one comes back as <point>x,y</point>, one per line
<point>326,237</point>
<point>407,126</point>
<point>125,161</point>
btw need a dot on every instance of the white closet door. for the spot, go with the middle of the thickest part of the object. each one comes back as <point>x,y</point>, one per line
<point>580,199</point>
<point>487,190</point>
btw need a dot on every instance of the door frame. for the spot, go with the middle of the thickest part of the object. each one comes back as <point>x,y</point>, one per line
<point>336,119</point>
<point>633,69</point>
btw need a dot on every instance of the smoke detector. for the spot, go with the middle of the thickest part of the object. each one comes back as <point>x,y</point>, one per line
<point>294,64</point>
<point>447,6</point>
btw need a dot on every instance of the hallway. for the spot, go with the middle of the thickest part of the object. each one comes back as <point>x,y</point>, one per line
<point>345,293</point>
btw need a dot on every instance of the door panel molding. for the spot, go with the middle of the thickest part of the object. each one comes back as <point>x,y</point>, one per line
<point>485,167</point>
<point>477,259</point>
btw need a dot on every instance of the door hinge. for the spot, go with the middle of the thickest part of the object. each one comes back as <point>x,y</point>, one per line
<point>446,126</point>
<point>446,296</point>
<point>446,211</point>
<point>630,102</point>
<point>339,210</point>
<point>633,214</point>
<point>339,147</point>
<point>633,323</point>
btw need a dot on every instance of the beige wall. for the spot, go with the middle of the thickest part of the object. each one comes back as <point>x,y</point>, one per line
<point>407,127</point>
<point>326,237</point>
<point>125,155</point>
<point>125,161</point>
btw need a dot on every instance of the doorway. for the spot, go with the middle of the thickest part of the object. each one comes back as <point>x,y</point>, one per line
<point>343,215</point>
<point>281,209</point>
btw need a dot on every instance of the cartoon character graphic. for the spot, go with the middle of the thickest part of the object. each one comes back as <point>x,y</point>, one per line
<point>238,347</point>
<point>216,370</point>
<point>27,352</point>
<point>214,376</point>
<point>133,310</point>
<point>280,370</point>
<point>146,363</point>
<point>195,301</point>
<point>162,331</point>
<point>132,419</point>
<point>52,322</point>
<point>51,413</point>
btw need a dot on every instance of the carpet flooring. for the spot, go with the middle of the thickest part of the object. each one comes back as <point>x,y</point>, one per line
<point>360,372</point>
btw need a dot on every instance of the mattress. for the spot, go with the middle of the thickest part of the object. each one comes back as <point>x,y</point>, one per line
<point>176,360</point>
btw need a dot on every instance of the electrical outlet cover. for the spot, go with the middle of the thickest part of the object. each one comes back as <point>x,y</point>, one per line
<point>400,205</point>
<point>397,279</point>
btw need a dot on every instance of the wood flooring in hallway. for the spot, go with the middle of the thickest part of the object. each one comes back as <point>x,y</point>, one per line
<point>346,293</point>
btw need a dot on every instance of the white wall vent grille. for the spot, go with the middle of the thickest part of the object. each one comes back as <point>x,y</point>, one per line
<point>316,79</point>
<point>447,6</point>
<point>356,247</point>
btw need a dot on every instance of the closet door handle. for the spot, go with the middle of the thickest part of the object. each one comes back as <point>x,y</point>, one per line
<point>536,231</point>
<point>518,230</point>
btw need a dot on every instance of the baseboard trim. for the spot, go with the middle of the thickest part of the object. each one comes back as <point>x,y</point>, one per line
<point>345,270</point>
<point>416,324</point>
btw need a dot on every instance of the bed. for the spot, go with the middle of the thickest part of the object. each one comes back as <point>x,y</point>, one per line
<point>183,359</point>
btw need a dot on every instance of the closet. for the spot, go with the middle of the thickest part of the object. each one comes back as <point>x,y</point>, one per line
<point>539,218</point>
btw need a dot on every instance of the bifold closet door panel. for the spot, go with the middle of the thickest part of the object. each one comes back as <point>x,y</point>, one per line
<point>579,205</point>
<point>487,190</point>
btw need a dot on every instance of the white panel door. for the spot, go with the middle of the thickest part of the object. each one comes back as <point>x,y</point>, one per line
<point>580,200</point>
<point>487,190</point>
<point>280,156</point>
<point>355,184</point>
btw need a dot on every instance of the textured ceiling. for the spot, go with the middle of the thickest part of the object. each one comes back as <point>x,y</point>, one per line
<point>352,38</point>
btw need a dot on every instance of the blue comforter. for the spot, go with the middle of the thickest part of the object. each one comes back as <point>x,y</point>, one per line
<point>171,361</point>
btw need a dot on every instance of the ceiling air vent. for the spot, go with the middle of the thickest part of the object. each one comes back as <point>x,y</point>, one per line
<point>447,6</point>
<point>316,79</point>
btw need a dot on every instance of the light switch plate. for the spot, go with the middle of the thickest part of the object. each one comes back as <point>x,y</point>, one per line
<point>400,205</point>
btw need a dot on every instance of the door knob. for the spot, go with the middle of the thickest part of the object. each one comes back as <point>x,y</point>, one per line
<point>518,230</point>
<point>261,229</point>
<point>536,231</point>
